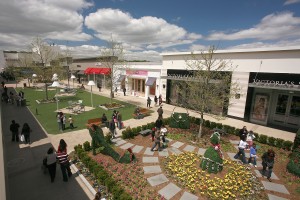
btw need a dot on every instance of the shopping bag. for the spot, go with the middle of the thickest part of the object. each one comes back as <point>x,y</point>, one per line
<point>22,138</point>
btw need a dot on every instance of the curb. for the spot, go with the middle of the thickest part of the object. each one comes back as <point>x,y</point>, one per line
<point>83,179</point>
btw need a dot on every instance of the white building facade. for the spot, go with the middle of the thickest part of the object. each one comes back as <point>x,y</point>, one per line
<point>269,81</point>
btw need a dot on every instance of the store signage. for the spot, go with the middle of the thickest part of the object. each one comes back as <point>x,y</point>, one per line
<point>273,83</point>
<point>179,76</point>
<point>137,72</point>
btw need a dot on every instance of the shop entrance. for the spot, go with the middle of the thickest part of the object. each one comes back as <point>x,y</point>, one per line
<point>286,110</point>
<point>138,85</point>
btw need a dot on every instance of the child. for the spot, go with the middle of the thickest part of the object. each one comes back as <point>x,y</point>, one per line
<point>71,122</point>
<point>250,138</point>
<point>252,159</point>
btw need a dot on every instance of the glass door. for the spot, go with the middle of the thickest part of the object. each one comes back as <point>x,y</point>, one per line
<point>287,110</point>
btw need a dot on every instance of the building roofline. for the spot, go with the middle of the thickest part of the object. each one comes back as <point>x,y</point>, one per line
<point>253,50</point>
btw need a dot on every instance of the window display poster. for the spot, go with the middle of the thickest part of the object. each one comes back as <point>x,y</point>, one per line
<point>260,107</point>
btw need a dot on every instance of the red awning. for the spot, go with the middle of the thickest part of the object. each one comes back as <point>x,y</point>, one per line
<point>92,70</point>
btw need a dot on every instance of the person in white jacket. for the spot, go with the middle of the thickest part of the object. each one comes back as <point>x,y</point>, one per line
<point>250,138</point>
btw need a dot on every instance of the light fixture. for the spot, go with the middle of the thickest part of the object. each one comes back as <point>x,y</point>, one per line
<point>56,84</point>
<point>73,77</point>
<point>91,83</point>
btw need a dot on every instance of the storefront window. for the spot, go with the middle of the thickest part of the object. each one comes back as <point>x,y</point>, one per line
<point>295,106</point>
<point>281,104</point>
<point>143,85</point>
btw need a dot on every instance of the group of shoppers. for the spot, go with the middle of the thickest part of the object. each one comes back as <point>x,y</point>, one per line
<point>62,121</point>
<point>61,157</point>
<point>114,123</point>
<point>24,135</point>
<point>246,142</point>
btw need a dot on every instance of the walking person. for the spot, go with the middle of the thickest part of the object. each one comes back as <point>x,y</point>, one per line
<point>51,163</point>
<point>58,119</point>
<point>160,112</point>
<point>148,102</point>
<point>243,132</point>
<point>124,91</point>
<point>112,128</point>
<point>71,121</point>
<point>158,123</point>
<point>160,99</point>
<point>104,120</point>
<point>63,159</point>
<point>14,128</point>
<point>64,121</point>
<point>253,157</point>
<point>156,141</point>
<point>155,100</point>
<point>26,132</point>
<point>119,120</point>
<point>242,146</point>
<point>268,162</point>
<point>250,138</point>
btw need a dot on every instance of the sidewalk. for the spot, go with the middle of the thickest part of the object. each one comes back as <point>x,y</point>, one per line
<point>25,179</point>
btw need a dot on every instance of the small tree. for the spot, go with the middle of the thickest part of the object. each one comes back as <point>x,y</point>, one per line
<point>208,87</point>
<point>46,60</point>
<point>113,58</point>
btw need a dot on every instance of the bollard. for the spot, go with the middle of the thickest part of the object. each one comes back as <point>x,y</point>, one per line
<point>36,111</point>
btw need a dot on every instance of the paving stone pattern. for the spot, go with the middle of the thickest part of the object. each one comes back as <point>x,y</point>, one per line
<point>188,196</point>
<point>275,187</point>
<point>177,144</point>
<point>189,148</point>
<point>152,169</point>
<point>273,197</point>
<point>150,159</point>
<point>169,191</point>
<point>137,149</point>
<point>126,146</point>
<point>148,152</point>
<point>157,180</point>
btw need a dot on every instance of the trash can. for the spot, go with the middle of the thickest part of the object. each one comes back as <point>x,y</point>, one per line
<point>24,85</point>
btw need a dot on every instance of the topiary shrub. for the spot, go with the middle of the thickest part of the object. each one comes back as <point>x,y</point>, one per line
<point>108,138</point>
<point>297,140</point>
<point>256,136</point>
<point>263,139</point>
<point>150,125</point>
<point>294,164</point>
<point>287,145</point>
<point>213,125</point>
<point>237,132</point>
<point>271,141</point>
<point>279,142</point>
<point>219,125</point>
<point>206,123</point>
<point>87,146</point>
<point>144,127</point>
<point>138,129</point>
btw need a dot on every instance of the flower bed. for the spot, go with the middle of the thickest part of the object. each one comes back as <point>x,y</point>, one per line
<point>111,106</point>
<point>41,101</point>
<point>235,181</point>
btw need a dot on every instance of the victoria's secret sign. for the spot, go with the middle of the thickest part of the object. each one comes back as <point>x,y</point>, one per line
<point>275,80</point>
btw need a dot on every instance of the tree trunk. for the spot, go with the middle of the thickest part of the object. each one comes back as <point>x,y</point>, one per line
<point>46,90</point>
<point>201,126</point>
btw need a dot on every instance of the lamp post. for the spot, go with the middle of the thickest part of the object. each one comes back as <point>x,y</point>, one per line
<point>91,83</point>
<point>73,77</point>
<point>56,84</point>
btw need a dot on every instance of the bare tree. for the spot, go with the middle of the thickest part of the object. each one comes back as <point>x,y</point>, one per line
<point>208,86</point>
<point>47,60</point>
<point>112,57</point>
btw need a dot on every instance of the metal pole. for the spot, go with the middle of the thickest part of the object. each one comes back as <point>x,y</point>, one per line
<point>56,101</point>
<point>92,97</point>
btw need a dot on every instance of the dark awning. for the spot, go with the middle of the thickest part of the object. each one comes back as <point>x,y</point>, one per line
<point>150,81</point>
<point>80,72</point>
<point>121,78</point>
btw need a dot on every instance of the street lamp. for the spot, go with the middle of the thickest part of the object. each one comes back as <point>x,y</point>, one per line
<point>56,84</point>
<point>73,77</point>
<point>91,83</point>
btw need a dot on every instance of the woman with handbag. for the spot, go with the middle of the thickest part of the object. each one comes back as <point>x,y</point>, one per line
<point>26,133</point>
<point>51,163</point>
<point>268,162</point>
<point>63,159</point>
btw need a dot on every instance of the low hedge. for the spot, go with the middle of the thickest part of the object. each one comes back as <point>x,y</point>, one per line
<point>103,177</point>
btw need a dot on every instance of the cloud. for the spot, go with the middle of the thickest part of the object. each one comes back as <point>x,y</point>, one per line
<point>271,27</point>
<point>52,19</point>
<point>254,45</point>
<point>288,2</point>
<point>147,30</point>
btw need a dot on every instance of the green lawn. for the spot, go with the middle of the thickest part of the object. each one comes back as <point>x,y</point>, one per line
<point>47,117</point>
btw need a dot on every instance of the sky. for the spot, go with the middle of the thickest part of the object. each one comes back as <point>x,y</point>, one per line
<point>147,28</point>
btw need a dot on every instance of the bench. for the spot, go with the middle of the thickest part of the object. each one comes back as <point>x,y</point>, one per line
<point>96,121</point>
<point>145,132</point>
